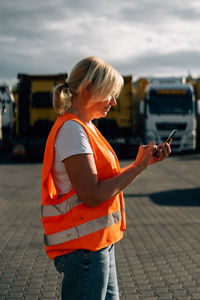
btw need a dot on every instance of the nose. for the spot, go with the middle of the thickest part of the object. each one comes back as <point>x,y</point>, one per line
<point>113,101</point>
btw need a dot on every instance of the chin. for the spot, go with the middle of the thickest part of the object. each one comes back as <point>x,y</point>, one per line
<point>99,117</point>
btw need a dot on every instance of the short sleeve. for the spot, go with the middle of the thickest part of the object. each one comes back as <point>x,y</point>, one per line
<point>72,139</point>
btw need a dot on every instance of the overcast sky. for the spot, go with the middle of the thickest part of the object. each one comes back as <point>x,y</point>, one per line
<point>141,38</point>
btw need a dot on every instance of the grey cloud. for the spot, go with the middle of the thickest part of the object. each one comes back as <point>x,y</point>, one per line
<point>153,11</point>
<point>187,13</point>
<point>27,20</point>
<point>178,63</point>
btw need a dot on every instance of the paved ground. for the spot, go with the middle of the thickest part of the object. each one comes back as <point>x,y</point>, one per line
<point>158,258</point>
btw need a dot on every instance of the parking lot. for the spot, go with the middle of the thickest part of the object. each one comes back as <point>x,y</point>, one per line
<point>158,258</point>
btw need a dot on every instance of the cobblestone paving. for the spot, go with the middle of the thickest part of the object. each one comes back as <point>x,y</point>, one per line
<point>158,258</point>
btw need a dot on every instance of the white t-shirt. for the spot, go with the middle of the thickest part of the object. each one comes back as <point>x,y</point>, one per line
<point>70,140</point>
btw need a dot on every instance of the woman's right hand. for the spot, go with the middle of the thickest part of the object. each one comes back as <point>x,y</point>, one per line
<point>144,155</point>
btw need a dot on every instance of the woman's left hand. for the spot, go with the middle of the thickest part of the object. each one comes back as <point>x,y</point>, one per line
<point>160,152</point>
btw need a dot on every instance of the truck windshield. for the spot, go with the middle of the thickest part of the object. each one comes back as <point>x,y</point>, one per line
<point>169,103</point>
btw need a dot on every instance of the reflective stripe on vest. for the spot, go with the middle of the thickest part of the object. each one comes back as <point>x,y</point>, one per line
<point>82,229</point>
<point>61,208</point>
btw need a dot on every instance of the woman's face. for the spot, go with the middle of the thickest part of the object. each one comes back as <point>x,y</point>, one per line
<point>100,109</point>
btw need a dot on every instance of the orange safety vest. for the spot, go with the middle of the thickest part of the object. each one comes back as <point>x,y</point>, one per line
<point>68,223</point>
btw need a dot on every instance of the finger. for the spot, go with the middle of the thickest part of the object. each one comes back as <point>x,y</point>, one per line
<point>154,149</point>
<point>164,151</point>
<point>170,141</point>
<point>168,148</point>
<point>160,153</point>
<point>141,147</point>
<point>151,146</point>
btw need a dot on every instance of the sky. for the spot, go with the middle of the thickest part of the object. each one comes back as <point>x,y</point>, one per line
<point>139,38</point>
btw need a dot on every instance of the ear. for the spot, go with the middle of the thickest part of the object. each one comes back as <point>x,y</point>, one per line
<point>87,85</point>
<point>87,89</point>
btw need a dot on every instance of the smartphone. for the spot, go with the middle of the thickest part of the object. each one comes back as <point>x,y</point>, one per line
<point>167,140</point>
<point>171,135</point>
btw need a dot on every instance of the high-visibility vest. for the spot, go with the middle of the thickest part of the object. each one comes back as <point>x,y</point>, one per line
<point>70,224</point>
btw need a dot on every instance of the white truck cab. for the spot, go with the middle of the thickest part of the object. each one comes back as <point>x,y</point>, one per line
<point>6,116</point>
<point>170,104</point>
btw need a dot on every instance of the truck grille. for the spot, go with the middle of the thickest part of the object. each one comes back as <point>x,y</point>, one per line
<point>171,126</point>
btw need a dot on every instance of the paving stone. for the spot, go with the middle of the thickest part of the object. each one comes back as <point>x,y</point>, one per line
<point>130,290</point>
<point>49,294</point>
<point>15,295</point>
<point>130,297</point>
<point>31,297</point>
<point>160,291</point>
<point>165,297</point>
<point>146,297</point>
<point>4,285</point>
<point>183,298</point>
<point>48,297</point>
<point>195,294</point>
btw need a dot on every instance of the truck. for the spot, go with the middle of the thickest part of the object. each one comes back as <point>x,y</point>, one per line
<point>167,104</point>
<point>6,117</point>
<point>197,93</point>
<point>119,126</point>
<point>34,113</point>
<point>196,85</point>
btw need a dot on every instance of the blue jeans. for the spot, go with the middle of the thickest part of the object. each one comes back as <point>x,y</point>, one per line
<point>88,275</point>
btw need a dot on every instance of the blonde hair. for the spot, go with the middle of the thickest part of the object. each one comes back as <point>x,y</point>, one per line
<point>105,81</point>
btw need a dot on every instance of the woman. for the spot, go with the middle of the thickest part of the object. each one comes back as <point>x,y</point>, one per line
<point>82,183</point>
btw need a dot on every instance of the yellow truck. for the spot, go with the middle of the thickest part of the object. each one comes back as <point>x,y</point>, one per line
<point>34,113</point>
